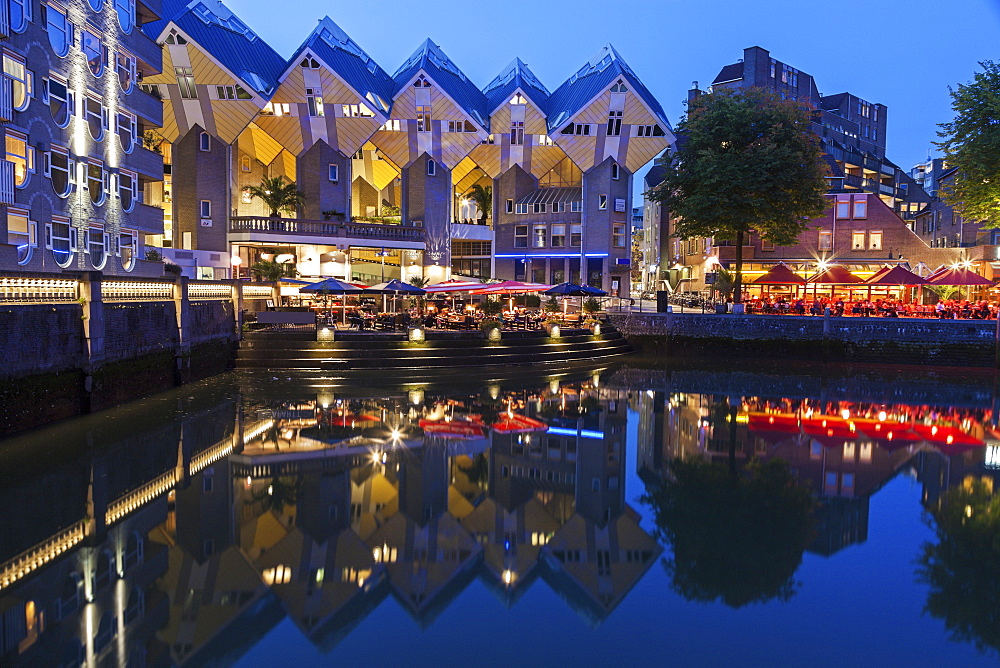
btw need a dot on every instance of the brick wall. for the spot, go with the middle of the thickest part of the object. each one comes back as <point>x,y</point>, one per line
<point>37,338</point>
<point>133,330</point>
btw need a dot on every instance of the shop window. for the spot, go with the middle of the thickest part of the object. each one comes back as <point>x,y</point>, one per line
<point>520,236</point>
<point>59,30</point>
<point>21,81</point>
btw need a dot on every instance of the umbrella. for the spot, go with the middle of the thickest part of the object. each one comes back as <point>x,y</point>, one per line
<point>780,274</point>
<point>396,287</point>
<point>959,276</point>
<point>896,276</point>
<point>834,275</point>
<point>569,290</point>
<point>335,286</point>
<point>510,287</point>
<point>453,285</point>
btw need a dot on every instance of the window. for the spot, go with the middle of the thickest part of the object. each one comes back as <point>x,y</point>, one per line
<point>516,133</point>
<point>96,177</point>
<point>518,99</point>
<point>126,14</point>
<point>874,241</point>
<point>333,172</point>
<point>205,208</point>
<point>538,207</point>
<point>127,248</point>
<point>843,207</point>
<point>616,171</point>
<point>860,207</point>
<point>520,208</point>
<point>59,30</point>
<point>309,63</point>
<point>614,123</point>
<point>858,241</point>
<point>391,126</point>
<point>314,101</point>
<point>538,235</point>
<point>21,233</point>
<point>520,236</point>
<point>649,131</point>
<point>510,206</point>
<point>204,141</point>
<point>59,171</point>
<point>421,83</point>
<point>558,235</point>
<point>431,168</point>
<point>22,155</point>
<point>826,241</point>
<point>276,109</point>
<point>128,190</point>
<point>772,68</point>
<point>185,81</point>
<point>96,4</point>
<point>127,132</point>
<point>58,240</point>
<point>423,118</point>
<point>96,246</point>
<point>602,202</point>
<point>94,115</point>
<point>232,93</point>
<point>766,245</point>
<point>576,207</point>
<point>92,48</point>
<point>21,80</point>
<point>558,207</point>
<point>59,100</point>
<point>20,14</point>
<point>126,72</point>
<point>357,111</point>
<point>618,235</point>
<point>575,235</point>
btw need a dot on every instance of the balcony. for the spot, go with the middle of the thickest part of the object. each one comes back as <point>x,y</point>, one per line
<point>887,190</point>
<point>4,20</point>
<point>6,182</point>
<point>888,169</point>
<point>6,99</point>
<point>143,105</point>
<point>293,230</point>
<point>146,218</point>
<point>853,181</point>
<point>148,164</point>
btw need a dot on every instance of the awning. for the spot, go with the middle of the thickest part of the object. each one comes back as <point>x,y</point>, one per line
<point>547,195</point>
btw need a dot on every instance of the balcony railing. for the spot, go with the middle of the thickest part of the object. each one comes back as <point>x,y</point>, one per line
<point>147,163</point>
<point>886,190</point>
<point>6,99</point>
<point>6,182</point>
<point>323,228</point>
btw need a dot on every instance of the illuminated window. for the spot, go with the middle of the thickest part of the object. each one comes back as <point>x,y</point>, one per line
<point>59,99</point>
<point>423,118</point>
<point>874,241</point>
<point>21,233</point>
<point>21,80</point>
<point>22,155</point>
<point>558,235</point>
<point>58,171</point>
<point>58,27</point>
<point>520,236</point>
<point>127,131</point>
<point>92,48</point>
<point>843,207</point>
<point>575,235</point>
<point>314,101</point>
<point>96,186</point>
<point>516,133</point>
<point>356,111</point>
<point>860,207</point>
<point>246,197</point>
<point>20,14</point>
<point>539,235</point>
<point>126,73</point>
<point>128,190</point>
<point>126,14</point>
<point>518,99</point>
<point>280,574</point>
<point>825,241</point>
<point>618,235</point>
<point>185,81</point>
<point>858,241</point>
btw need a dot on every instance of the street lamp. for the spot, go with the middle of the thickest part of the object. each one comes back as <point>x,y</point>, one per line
<point>383,254</point>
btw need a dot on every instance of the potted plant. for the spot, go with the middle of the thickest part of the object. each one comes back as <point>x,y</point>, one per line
<point>333,213</point>
<point>277,195</point>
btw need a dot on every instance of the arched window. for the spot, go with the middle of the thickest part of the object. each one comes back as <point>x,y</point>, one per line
<point>135,607</point>
<point>105,632</point>
<point>134,548</point>
<point>69,595</point>
<point>104,570</point>
<point>126,14</point>
<point>59,29</point>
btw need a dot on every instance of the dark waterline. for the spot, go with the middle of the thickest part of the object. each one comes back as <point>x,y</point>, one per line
<point>301,547</point>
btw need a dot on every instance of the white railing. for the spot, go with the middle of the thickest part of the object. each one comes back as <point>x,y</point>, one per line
<point>121,291</point>
<point>15,569</point>
<point>6,99</point>
<point>209,291</point>
<point>6,182</point>
<point>42,290</point>
<point>257,291</point>
<point>209,456</point>
<point>139,497</point>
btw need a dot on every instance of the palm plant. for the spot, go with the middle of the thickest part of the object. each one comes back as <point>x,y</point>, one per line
<point>277,195</point>
<point>269,270</point>
<point>483,197</point>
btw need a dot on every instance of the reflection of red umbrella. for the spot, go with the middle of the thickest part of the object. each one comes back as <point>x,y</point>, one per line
<point>960,276</point>
<point>948,440</point>
<point>773,428</point>
<point>828,430</point>
<point>887,435</point>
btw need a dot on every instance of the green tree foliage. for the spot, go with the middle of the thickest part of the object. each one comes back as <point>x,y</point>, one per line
<point>963,568</point>
<point>736,537</point>
<point>483,197</point>
<point>269,270</point>
<point>277,195</point>
<point>749,162</point>
<point>971,143</point>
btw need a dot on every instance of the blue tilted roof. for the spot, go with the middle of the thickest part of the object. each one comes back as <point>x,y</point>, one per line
<point>601,71</point>
<point>515,76</point>
<point>342,54</point>
<point>215,28</point>
<point>431,59</point>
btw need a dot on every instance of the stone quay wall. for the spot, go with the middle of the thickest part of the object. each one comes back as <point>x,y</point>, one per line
<point>73,344</point>
<point>824,338</point>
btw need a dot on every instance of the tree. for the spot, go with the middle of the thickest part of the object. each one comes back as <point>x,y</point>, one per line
<point>971,143</point>
<point>277,195</point>
<point>483,197</point>
<point>749,162</point>
<point>269,270</point>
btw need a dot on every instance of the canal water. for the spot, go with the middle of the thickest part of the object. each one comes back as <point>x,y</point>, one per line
<point>639,513</point>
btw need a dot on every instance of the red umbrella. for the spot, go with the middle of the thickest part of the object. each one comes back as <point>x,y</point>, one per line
<point>835,274</point>
<point>959,276</point>
<point>780,274</point>
<point>510,287</point>
<point>896,276</point>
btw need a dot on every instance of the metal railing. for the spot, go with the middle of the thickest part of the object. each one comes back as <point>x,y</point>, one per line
<point>6,99</point>
<point>326,228</point>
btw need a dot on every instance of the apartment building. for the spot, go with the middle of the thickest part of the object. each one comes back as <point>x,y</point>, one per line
<point>77,171</point>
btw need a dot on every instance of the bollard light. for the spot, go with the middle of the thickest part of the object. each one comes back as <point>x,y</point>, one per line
<point>554,332</point>
<point>416,397</point>
<point>324,334</point>
<point>494,334</point>
<point>417,335</point>
<point>597,329</point>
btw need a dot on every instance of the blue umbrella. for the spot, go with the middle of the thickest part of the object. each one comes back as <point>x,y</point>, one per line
<point>397,287</point>
<point>334,286</point>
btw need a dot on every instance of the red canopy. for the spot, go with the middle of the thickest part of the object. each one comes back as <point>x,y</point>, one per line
<point>780,274</point>
<point>835,274</point>
<point>960,276</point>
<point>896,276</point>
<point>510,287</point>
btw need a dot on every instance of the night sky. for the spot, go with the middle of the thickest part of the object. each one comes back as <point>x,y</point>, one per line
<point>901,53</point>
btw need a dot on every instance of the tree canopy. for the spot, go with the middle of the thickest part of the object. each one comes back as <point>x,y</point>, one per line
<point>971,143</point>
<point>277,195</point>
<point>747,161</point>
<point>483,197</point>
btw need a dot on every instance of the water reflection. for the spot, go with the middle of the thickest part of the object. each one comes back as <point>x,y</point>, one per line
<point>184,529</point>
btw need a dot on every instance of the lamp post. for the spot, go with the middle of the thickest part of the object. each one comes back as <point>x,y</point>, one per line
<point>382,254</point>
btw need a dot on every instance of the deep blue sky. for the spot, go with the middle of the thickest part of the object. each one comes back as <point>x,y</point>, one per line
<point>901,53</point>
